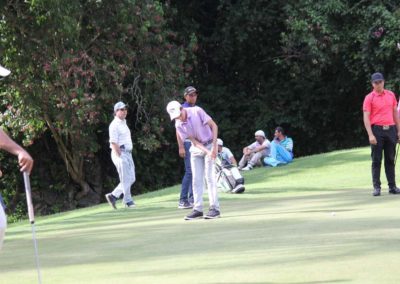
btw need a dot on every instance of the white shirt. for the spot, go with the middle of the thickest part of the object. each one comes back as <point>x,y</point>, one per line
<point>120,134</point>
<point>265,151</point>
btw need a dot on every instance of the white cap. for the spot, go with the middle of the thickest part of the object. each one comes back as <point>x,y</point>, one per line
<point>119,105</point>
<point>174,109</point>
<point>259,133</point>
<point>220,142</point>
<point>4,72</point>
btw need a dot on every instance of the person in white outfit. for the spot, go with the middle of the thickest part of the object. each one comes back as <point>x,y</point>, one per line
<point>121,155</point>
<point>25,162</point>
<point>255,152</point>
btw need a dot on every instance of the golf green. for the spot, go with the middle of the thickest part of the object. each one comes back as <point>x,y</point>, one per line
<point>313,221</point>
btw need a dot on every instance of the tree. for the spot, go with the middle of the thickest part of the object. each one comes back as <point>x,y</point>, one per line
<point>72,60</point>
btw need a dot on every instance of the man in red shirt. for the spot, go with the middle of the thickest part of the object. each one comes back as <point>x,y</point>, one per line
<point>383,126</point>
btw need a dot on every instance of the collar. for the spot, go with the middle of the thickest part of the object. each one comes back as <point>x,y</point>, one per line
<point>378,94</point>
<point>117,119</point>
<point>186,104</point>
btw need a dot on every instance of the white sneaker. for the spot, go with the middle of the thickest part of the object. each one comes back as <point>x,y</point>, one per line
<point>130,205</point>
<point>247,168</point>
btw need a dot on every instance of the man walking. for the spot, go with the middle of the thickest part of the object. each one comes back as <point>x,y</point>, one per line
<point>196,125</point>
<point>186,196</point>
<point>121,155</point>
<point>25,161</point>
<point>383,127</point>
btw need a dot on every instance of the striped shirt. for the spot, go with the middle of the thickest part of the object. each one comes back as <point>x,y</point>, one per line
<point>287,143</point>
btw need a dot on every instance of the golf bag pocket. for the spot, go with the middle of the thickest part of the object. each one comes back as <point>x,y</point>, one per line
<point>230,180</point>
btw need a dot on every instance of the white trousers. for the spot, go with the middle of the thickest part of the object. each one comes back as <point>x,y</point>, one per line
<point>203,166</point>
<point>126,171</point>
<point>3,225</point>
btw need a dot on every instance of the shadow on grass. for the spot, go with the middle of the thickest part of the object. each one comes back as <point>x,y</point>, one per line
<point>295,282</point>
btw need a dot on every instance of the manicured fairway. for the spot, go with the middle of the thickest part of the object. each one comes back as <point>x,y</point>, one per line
<point>313,221</point>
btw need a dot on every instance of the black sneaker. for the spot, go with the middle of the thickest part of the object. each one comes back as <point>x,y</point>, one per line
<point>185,205</point>
<point>194,215</point>
<point>212,214</point>
<point>111,199</point>
<point>238,189</point>
<point>394,190</point>
<point>377,191</point>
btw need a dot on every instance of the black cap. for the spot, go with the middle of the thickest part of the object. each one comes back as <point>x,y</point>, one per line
<point>377,77</point>
<point>189,90</point>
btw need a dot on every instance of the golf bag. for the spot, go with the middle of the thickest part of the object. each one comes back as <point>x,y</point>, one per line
<point>228,178</point>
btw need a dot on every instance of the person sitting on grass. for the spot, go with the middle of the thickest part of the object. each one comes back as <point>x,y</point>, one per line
<point>225,154</point>
<point>281,149</point>
<point>255,152</point>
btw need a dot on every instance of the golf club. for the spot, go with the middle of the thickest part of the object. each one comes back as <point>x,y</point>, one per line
<point>397,152</point>
<point>32,221</point>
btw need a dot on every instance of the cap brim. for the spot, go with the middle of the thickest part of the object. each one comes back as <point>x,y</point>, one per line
<point>4,72</point>
<point>174,115</point>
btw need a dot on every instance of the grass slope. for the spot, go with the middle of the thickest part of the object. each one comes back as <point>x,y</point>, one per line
<point>281,230</point>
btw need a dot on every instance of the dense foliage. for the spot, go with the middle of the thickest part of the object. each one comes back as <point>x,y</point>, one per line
<point>303,64</point>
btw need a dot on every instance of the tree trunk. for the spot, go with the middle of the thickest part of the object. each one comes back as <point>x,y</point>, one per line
<point>73,162</point>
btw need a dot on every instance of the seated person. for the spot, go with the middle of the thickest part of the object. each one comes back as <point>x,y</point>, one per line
<point>254,153</point>
<point>225,154</point>
<point>281,149</point>
<point>228,176</point>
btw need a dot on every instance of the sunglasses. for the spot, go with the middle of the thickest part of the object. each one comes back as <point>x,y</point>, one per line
<point>377,82</point>
<point>123,109</point>
<point>193,95</point>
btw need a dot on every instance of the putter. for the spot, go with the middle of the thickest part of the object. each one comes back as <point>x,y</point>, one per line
<point>397,153</point>
<point>32,221</point>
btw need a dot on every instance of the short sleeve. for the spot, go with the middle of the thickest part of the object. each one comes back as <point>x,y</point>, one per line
<point>113,133</point>
<point>266,143</point>
<point>205,118</point>
<point>228,153</point>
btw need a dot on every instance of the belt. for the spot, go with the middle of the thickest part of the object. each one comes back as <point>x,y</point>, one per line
<point>207,143</point>
<point>122,147</point>
<point>384,127</point>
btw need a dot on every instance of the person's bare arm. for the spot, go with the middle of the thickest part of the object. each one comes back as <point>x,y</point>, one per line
<point>180,145</point>
<point>233,161</point>
<point>397,121</point>
<point>115,148</point>
<point>214,129</point>
<point>367,124</point>
<point>259,148</point>
<point>25,161</point>
<point>199,145</point>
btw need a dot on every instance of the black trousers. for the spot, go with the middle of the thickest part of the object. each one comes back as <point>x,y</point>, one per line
<point>386,143</point>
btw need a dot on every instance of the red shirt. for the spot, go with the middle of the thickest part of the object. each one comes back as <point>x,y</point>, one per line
<point>380,107</point>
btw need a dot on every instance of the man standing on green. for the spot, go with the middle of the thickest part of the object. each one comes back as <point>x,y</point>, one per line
<point>383,126</point>
<point>25,161</point>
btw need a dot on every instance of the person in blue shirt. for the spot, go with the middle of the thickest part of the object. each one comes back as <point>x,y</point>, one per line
<point>186,197</point>
<point>281,149</point>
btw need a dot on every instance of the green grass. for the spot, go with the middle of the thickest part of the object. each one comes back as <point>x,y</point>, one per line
<point>281,230</point>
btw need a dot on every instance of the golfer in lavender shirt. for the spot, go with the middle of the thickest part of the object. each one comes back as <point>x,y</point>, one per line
<point>197,126</point>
